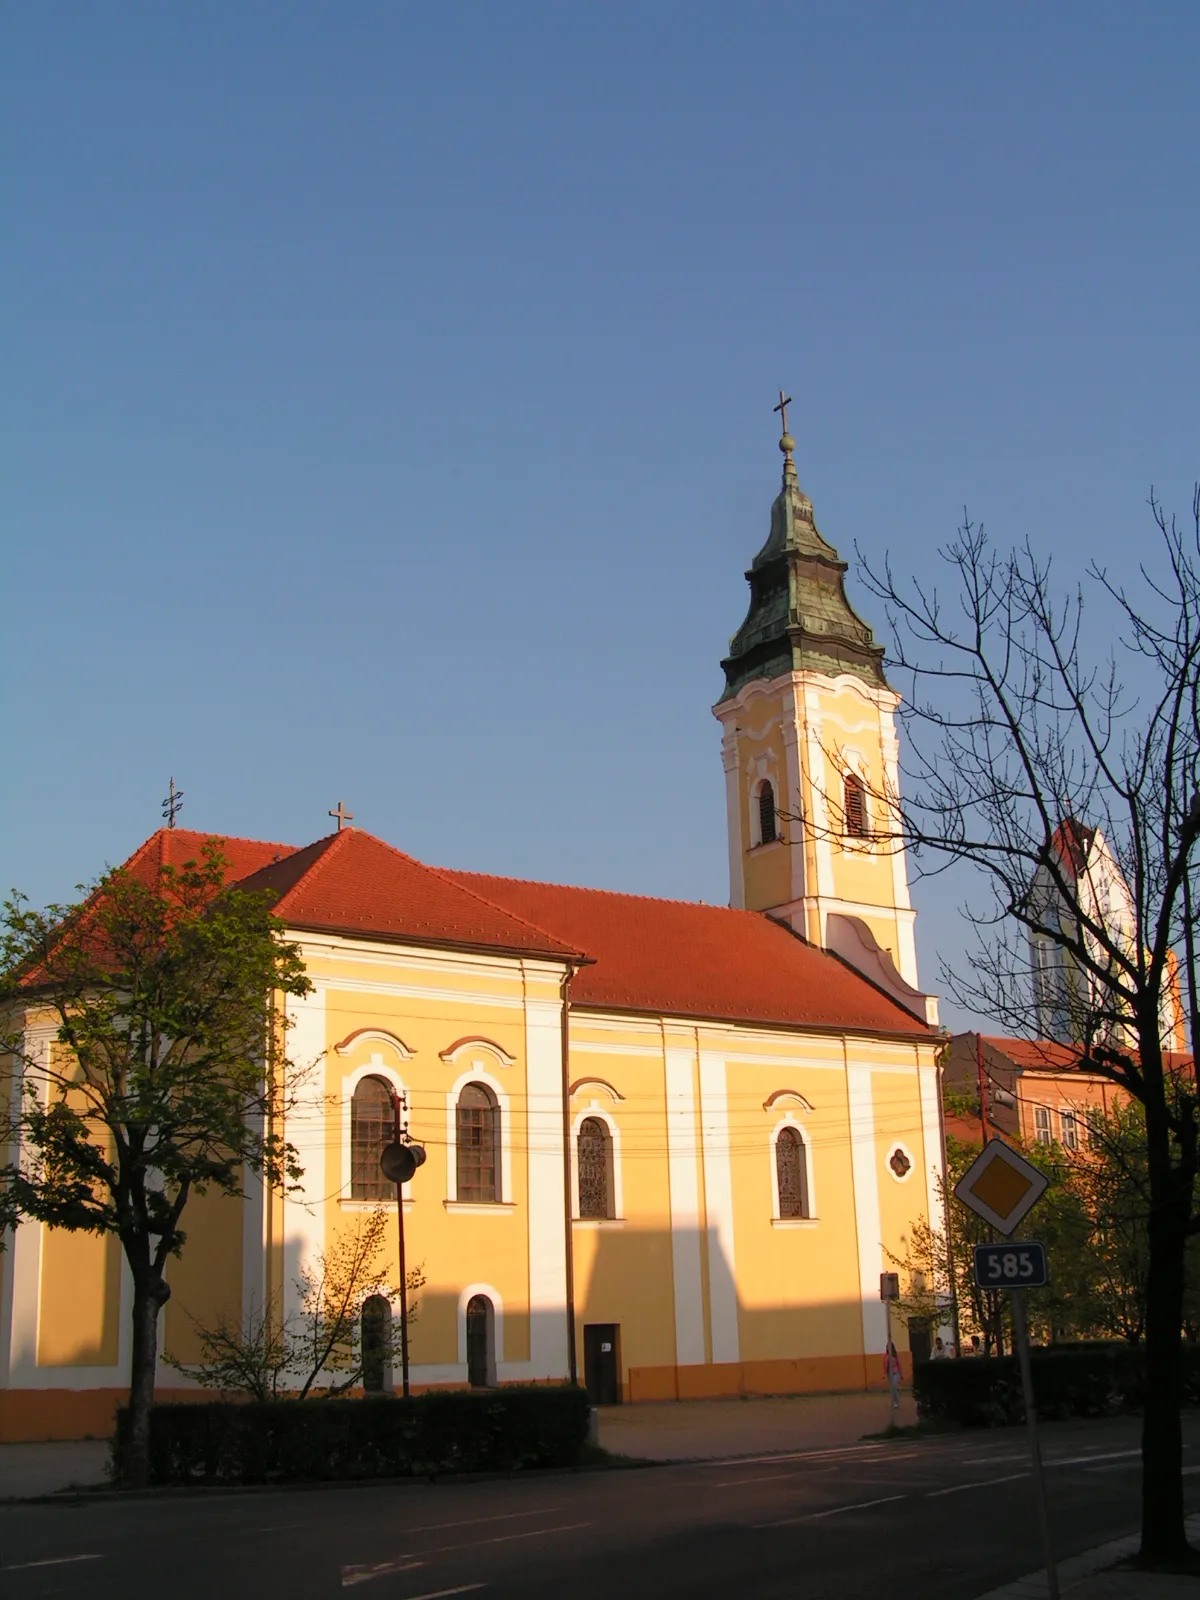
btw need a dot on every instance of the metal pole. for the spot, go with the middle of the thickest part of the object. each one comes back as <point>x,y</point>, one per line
<point>403,1270</point>
<point>1021,1332</point>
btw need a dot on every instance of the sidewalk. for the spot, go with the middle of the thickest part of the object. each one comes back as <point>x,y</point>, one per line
<point>696,1430</point>
<point>1090,1576</point>
<point>29,1469</point>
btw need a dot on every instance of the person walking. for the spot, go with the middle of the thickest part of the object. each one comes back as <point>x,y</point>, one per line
<point>892,1373</point>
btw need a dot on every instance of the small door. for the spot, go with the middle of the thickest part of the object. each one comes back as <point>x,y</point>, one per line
<point>602,1362</point>
<point>919,1339</point>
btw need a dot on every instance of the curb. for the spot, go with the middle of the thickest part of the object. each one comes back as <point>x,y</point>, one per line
<point>1075,1569</point>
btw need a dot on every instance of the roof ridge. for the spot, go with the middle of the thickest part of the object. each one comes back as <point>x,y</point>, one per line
<point>307,873</point>
<point>447,875</point>
<point>620,894</point>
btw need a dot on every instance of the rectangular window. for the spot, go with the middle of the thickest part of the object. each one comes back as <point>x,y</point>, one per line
<point>1043,1130</point>
<point>1069,1123</point>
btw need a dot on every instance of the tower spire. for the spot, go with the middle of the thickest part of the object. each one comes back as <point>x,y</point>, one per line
<point>786,443</point>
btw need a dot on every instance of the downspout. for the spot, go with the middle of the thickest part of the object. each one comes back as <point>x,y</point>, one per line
<point>565,990</point>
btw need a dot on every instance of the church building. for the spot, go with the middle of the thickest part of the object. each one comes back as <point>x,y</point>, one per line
<point>670,1145</point>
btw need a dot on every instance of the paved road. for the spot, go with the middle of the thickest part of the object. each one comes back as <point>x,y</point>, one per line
<point>937,1518</point>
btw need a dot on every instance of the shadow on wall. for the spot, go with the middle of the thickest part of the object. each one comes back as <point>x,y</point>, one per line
<point>668,1308</point>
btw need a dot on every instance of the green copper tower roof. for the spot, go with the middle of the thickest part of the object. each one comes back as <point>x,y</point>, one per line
<point>799,618</point>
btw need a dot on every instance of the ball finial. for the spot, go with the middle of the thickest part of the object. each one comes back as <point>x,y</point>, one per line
<point>787,444</point>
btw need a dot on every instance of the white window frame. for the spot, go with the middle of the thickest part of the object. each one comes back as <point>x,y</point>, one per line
<point>853,765</point>
<point>791,1121</point>
<point>1043,1135</point>
<point>763,770</point>
<point>595,1109</point>
<point>374,1068</point>
<point>473,1075</point>
<point>493,1294</point>
<point>893,1146</point>
<point>1069,1116</point>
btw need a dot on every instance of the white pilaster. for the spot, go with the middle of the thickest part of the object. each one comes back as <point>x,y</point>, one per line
<point>866,1206</point>
<point>683,1178</point>
<point>303,1221</point>
<point>931,1135</point>
<point>718,1206</point>
<point>733,814</point>
<point>546,1209</point>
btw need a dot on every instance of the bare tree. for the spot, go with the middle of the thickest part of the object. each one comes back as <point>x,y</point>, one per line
<point>319,1347</point>
<point>1070,779</point>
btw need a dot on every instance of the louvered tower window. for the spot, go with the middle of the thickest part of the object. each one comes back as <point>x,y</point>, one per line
<point>767,829</point>
<point>854,803</point>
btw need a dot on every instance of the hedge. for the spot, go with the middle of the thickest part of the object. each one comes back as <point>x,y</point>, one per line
<point>1070,1381</point>
<point>293,1441</point>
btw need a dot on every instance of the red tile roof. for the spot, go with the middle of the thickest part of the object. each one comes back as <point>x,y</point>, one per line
<point>174,846</point>
<point>351,882</point>
<point>677,958</point>
<point>662,957</point>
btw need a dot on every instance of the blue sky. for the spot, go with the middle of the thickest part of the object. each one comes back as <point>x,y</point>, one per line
<point>388,401</point>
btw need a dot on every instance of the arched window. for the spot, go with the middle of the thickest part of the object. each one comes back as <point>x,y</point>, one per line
<point>376,1334</point>
<point>481,1342</point>
<point>371,1126</point>
<point>478,1144</point>
<point>854,803</point>
<point>791,1170</point>
<point>595,1169</point>
<point>767,822</point>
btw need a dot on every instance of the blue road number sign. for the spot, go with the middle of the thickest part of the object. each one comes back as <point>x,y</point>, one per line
<point>1010,1266</point>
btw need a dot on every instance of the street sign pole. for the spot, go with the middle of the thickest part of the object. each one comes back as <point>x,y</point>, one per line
<point>403,1271</point>
<point>1021,1329</point>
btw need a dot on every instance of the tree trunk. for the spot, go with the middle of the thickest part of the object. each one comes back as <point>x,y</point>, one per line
<point>150,1294</point>
<point>1163,1538</point>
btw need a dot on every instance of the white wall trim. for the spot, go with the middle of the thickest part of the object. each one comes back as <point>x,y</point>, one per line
<point>866,1205</point>
<point>718,1207</point>
<point>683,1181</point>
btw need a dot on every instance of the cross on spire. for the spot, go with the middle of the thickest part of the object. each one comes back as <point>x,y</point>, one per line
<point>172,805</point>
<point>343,816</point>
<point>785,401</point>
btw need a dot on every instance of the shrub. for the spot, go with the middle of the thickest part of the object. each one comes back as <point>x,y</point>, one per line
<point>1099,1380</point>
<point>293,1441</point>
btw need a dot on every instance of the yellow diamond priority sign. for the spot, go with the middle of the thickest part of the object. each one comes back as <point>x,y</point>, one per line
<point>1001,1186</point>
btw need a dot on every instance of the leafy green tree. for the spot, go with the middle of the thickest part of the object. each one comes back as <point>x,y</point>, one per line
<point>168,1076</point>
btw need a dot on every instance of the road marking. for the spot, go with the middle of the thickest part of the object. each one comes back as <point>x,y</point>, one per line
<point>500,1538</point>
<point>381,1569</point>
<point>282,1527</point>
<point>437,1594</point>
<point>738,1483</point>
<point>834,1511</point>
<point>981,1483</point>
<point>51,1561</point>
<point>794,1455</point>
<point>1079,1461</point>
<point>471,1522</point>
<point>988,1461</point>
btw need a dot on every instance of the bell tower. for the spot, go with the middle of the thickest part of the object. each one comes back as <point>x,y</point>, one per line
<point>811,756</point>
